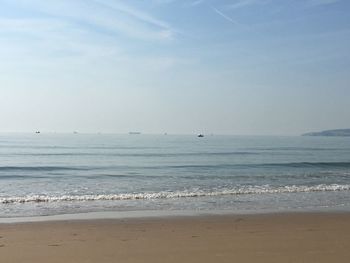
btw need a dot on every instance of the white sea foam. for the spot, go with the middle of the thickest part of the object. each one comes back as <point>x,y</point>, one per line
<point>178,194</point>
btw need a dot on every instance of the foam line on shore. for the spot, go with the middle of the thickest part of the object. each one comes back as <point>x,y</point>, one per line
<point>177,194</point>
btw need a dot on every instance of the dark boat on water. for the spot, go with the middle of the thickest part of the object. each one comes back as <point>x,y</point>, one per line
<point>134,133</point>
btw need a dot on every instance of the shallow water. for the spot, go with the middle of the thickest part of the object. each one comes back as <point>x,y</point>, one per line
<point>48,174</point>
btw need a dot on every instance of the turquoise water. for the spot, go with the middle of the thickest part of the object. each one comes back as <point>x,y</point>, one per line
<point>50,174</point>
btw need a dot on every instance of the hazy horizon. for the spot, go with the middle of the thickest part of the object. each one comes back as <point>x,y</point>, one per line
<point>243,67</point>
<point>165,133</point>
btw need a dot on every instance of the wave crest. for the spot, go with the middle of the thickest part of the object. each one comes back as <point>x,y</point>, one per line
<point>178,194</point>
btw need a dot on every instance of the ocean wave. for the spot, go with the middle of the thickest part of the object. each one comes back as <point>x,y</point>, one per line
<point>121,154</point>
<point>291,148</point>
<point>191,166</point>
<point>267,165</point>
<point>41,168</point>
<point>177,194</point>
<point>309,164</point>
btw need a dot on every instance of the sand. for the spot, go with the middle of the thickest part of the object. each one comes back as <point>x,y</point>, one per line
<point>241,238</point>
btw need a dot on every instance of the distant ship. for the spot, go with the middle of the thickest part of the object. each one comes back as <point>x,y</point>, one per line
<point>200,135</point>
<point>134,133</point>
<point>37,132</point>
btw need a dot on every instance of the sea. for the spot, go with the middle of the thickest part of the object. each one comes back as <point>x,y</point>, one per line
<point>57,174</point>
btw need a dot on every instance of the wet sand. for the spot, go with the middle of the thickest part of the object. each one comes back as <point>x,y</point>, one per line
<point>240,238</point>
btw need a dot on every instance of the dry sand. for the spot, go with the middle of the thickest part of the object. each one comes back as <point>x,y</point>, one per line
<point>250,238</point>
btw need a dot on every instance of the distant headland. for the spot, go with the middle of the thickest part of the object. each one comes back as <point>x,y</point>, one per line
<point>337,132</point>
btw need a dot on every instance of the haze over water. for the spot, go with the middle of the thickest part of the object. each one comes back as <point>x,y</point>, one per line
<point>49,174</point>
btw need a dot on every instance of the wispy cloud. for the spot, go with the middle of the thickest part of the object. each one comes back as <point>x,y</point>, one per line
<point>106,15</point>
<point>48,40</point>
<point>162,1</point>
<point>322,2</point>
<point>137,14</point>
<point>195,3</point>
<point>74,34</point>
<point>224,16</point>
<point>242,3</point>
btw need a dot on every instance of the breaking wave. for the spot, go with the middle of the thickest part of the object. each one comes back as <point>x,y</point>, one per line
<point>177,194</point>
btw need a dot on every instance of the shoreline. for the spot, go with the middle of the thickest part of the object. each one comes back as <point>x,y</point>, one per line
<point>275,237</point>
<point>154,214</point>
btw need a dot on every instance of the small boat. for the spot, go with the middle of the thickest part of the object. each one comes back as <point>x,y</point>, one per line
<point>37,132</point>
<point>200,135</point>
<point>134,133</point>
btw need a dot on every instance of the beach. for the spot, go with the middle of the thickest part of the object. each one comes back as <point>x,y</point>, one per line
<point>284,237</point>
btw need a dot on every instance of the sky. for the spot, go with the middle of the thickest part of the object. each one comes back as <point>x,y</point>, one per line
<point>245,67</point>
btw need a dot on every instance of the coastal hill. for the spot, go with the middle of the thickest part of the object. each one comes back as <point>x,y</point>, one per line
<point>338,132</point>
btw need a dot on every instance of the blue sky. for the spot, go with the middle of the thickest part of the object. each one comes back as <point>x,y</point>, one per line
<point>176,66</point>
